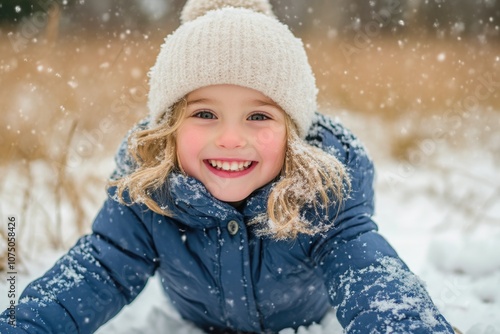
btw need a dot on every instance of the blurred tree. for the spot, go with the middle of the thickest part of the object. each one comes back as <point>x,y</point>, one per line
<point>119,15</point>
<point>91,15</point>
<point>445,18</point>
<point>455,18</point>
<point>343,16</point>
<point>375,16</point>
<point>294,13</point>
<point>12,11</point>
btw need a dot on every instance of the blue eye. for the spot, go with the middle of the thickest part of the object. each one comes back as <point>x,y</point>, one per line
<point>258,117</point>
<point>205,114</point>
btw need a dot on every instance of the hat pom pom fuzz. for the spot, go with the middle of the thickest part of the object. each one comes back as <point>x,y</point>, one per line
<point>196,8</point>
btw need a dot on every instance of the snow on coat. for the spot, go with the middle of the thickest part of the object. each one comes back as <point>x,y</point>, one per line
<point>222,277</point>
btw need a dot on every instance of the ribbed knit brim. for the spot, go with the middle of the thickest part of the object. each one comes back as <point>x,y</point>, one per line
<point>240,47</point>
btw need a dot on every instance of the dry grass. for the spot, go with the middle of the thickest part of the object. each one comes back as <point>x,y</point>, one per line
<point>390,77</point>
<point>65,105</point>
<point>420,85</point>
<point>66,102</point>
<point>51,87</point>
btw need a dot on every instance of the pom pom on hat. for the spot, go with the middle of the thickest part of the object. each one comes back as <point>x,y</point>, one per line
<point>235,46</point>
<point>196,8</point>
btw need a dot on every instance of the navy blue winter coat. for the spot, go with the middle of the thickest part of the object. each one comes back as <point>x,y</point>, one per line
<point>222,277</point>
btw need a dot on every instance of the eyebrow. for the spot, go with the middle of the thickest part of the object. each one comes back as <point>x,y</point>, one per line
<point>202,100</point>
<point>260,103</point>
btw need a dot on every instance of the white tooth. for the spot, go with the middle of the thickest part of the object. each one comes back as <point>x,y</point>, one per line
<point>230,166</point>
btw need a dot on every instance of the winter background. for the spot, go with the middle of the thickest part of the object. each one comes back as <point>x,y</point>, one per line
<point>418,81</point>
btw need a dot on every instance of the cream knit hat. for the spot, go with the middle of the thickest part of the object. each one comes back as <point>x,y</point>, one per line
<point>236,46</point>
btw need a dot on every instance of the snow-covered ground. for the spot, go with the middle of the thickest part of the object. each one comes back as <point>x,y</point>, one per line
<point>441,212</point>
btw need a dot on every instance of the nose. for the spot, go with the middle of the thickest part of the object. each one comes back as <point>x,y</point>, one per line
<point>230,136</point>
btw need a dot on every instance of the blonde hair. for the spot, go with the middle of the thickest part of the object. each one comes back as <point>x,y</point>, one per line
<point>310,178</point>
<point>155,152</point>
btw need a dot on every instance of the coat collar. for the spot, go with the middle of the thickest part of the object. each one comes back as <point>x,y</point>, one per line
<point>192,204</point>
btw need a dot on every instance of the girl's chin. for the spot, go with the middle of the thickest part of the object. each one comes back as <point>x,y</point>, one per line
<point>236,200</point>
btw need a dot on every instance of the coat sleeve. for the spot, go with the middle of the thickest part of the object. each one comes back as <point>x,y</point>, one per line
<point>101,273</point>
<point>372,289</point>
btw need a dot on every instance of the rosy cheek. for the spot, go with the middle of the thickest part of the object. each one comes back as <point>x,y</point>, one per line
<point>190,138</point>
<point>189,144</point>
<point>271,140</point>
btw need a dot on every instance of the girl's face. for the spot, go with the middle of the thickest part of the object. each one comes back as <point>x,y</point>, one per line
<point>232,139</point>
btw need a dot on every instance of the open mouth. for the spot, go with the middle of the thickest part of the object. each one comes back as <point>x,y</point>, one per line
<point>230,166</point>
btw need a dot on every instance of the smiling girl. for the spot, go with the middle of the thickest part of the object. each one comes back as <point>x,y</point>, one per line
<point>235,140</point>
<point>253,209</point>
